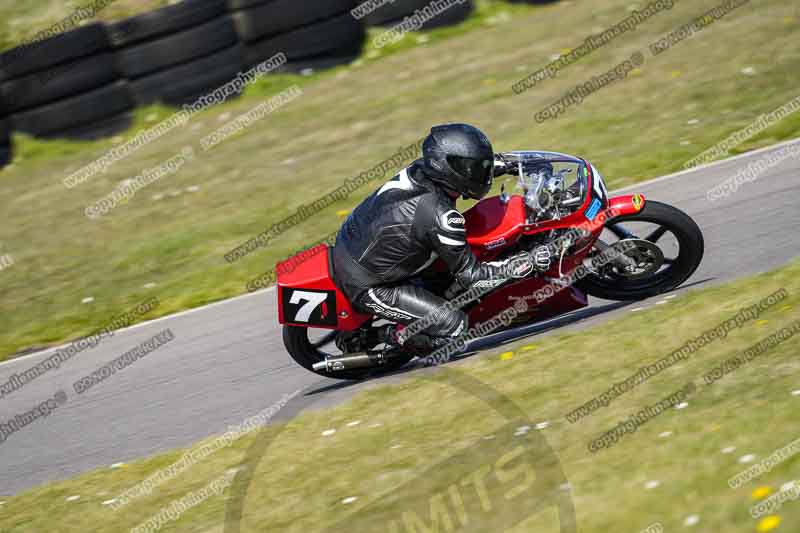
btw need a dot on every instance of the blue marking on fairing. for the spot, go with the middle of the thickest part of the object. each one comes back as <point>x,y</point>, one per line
<point>594,208</point>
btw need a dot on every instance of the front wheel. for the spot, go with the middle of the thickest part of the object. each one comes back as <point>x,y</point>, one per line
<point>668,248</point>
<point>305,351</point>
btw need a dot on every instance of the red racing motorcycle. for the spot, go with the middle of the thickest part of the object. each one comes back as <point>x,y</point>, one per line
<point>621,248</point>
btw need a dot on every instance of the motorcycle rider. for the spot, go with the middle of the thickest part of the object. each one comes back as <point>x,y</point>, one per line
<point>400,229</point>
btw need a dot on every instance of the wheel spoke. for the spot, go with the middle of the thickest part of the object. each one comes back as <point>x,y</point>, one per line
<point>327,339</point>
<point>620,231</point>
<point>657,234</point>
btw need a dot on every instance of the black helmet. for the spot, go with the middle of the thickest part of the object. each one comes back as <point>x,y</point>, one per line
<point>460,158</point>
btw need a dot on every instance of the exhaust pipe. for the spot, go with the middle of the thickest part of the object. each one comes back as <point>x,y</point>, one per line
<point>350,362</point>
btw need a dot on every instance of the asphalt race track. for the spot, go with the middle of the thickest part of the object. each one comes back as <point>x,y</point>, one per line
<point>227,361</point>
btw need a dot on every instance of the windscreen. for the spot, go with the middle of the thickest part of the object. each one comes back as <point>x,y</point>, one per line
<point>553,187</point>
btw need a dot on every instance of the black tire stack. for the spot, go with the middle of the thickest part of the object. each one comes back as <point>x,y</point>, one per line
<point>389,15</point>
<point>66,86</point>
<point>318,34</point>
<point>6,152</point>
<point>84,83</point>
<point>179,52</point>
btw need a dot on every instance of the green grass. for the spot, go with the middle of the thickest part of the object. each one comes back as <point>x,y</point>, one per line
<point>433,427</point>
<point>350,119</point>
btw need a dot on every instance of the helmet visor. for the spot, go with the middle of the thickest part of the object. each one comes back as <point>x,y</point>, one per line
<point>476,172</point>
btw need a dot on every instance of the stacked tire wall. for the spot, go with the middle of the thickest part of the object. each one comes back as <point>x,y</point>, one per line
<point>67,86</point>
<point>394,13</point>
<point>314,34</point>
<point>84,83</point>
<point>6,153</point>
<point>178,52</point>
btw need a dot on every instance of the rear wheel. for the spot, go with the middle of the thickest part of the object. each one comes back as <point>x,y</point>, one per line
<point>668,248</point>
<point>308,346</point>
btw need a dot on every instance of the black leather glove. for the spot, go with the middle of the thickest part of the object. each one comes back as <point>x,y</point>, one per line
<point>517,266</point>
<point>542,258</point>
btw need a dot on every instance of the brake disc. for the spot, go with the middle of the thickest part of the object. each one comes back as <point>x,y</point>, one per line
<point>647,258</point>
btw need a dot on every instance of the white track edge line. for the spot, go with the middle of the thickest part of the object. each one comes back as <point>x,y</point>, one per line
<point>710,165</point>
<point>146,323</point>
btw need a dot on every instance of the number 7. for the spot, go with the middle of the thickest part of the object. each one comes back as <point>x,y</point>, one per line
<point>313,299</point>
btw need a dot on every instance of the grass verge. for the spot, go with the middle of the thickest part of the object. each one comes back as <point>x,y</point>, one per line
<point>399,449</point>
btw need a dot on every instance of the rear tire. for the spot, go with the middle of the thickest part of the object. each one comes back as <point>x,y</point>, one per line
<point>690,255</point>
<point>296,341</point>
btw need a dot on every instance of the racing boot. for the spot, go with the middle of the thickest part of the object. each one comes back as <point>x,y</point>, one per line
<point>420,344</point>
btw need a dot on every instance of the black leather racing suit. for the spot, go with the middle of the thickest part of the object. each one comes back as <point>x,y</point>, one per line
<point>395,233</point>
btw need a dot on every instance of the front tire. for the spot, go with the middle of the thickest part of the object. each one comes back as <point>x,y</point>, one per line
<point>678,269</point>
<point>306,353</point>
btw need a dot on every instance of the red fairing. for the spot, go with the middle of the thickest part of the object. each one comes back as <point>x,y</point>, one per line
<point>307,295</point>
<point>543,295</point>
<point>559,301</point>
<point>493,225</point>
<point>626,205</point>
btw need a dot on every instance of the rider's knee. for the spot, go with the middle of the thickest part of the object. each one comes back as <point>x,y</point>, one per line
<point>452,324</point>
